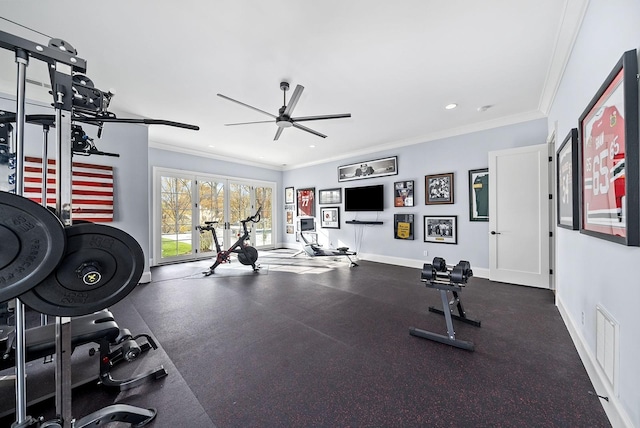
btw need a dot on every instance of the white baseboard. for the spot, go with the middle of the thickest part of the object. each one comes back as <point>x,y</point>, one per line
<point>398,261</point>
<point>613,408</point>
<point>145,278</point>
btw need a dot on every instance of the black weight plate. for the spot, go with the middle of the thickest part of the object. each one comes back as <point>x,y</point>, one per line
<point>101,266</point>
<point>32,243</point>
<point>428,272</point>
<point>253,256</point>
<point>439,264</point>
<point>466,266</point>
<point>457,275</point>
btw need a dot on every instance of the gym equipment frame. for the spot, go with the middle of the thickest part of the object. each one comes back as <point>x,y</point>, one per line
<point>247,255</point>
<point>439,277</point>
<point>75,95</point>
<point>315,250</point>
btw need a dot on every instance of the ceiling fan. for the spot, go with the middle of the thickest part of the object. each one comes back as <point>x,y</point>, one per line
<point>284,119</point>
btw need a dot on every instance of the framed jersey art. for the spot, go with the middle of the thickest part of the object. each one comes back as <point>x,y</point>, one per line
<point>609,158</point>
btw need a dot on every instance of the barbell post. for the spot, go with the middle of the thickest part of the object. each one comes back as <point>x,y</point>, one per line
<point>22,61</point>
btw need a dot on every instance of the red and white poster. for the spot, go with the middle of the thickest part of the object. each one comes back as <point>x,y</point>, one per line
<point>91,188</point>
<point>306,202</point>
<point>603,163</point>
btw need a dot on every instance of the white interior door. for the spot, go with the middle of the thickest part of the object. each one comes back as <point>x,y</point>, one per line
<point>518,216</point>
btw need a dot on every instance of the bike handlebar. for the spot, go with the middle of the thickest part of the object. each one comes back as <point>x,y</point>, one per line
<point>254,218</point>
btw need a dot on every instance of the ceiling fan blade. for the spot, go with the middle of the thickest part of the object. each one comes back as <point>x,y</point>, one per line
<point>294,100</point>
<point>326,116</point>
<point>246,105</point>
<point>304,128</point>
<point>248,123</point>
<point>278,132</point>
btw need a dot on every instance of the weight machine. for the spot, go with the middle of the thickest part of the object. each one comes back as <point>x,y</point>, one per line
<point>46,261</point>
<point>440,277</point>
<point>313,249</point>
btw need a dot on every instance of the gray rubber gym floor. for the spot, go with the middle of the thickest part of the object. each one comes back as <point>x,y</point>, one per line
<point>315,343</point>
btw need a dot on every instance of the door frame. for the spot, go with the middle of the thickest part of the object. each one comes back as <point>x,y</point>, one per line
<point>523,278</point>
<point>156,200</point>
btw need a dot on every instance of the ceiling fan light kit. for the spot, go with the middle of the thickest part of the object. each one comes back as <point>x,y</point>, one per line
<point>284,119</point>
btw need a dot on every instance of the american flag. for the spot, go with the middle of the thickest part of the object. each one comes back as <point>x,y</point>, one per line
<point>91,188</point>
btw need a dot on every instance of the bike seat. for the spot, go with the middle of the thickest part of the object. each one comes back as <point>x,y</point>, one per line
<point>210,222</point>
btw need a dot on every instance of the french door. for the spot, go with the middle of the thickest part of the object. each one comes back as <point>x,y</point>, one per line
<point>182,201</point>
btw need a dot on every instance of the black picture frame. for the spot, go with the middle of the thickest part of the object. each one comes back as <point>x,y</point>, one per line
<point>567,198</point>
<point>306,202</point>
<point>330,217</point>
<point>289,195</point>
<point>330,196</point>
<point>403,227</point>
<point>438,189</point>
<point>441,229</point>
<point>403,194</point>
<point>609,207</point>
<point>368,169</point>
<point>479,194</point>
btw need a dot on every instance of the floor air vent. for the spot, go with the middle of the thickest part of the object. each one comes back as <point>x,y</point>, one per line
<point>607,344</point>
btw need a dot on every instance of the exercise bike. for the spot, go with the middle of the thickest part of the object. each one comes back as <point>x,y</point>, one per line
<point>247,255</point>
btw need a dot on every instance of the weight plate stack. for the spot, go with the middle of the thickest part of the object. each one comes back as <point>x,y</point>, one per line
<point>33,242</point>
<point>100,267</point>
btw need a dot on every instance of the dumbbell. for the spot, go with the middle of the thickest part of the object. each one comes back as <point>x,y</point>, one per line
<point>461,272</point>
<point>430,272</point>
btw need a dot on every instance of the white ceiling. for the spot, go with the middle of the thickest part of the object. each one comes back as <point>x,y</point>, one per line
<point>392,65</point>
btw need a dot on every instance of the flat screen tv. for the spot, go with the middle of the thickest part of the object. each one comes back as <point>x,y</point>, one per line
<point>366,198</point>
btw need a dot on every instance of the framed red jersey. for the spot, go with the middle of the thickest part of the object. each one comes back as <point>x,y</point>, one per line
<point>609,158</point>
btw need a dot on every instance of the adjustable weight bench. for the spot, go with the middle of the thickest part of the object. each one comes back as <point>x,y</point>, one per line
<point>115,345</point>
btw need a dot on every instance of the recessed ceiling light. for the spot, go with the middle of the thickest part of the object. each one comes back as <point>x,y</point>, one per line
<point>312,146</point>
<point>211,145</point>
<point>484,108</point>
<point>451,106</point>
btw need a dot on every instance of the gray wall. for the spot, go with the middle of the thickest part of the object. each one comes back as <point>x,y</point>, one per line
<point>131,184</point>
<point>592,271</point>
<point>455,154</point>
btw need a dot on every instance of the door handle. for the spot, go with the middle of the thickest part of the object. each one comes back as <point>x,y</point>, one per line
<point>493,232</point>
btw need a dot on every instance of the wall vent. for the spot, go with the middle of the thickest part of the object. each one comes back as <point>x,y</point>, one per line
<point>607,344</point>
<point>35,82</point>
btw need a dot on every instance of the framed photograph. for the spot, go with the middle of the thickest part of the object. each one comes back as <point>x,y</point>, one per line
<point>290,230</point>
<point>479,194</point>
<point>608,158</point>
<point>441,229</point>
<point>306,202</point>
<point>438,189</point>
<point>403,226</point>
<point>330,196</point>
<point>288,195</point>
<point>368,169</point>
<point>567,183</point>
<point>403,194</point>
<point>330,218</point>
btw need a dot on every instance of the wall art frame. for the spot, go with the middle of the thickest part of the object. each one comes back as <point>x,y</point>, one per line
<point>306,202</point>
<point>289,197</point>
<point>438,189</point>
<point>479,194</point>
<point>567,198</point>
<point>441,229</point>
<point>368,169</point>
<point>403,226</point>
<point>609,157</point>
<point>330,196</point>
<point>403,195</point>
<point>330,217</point>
